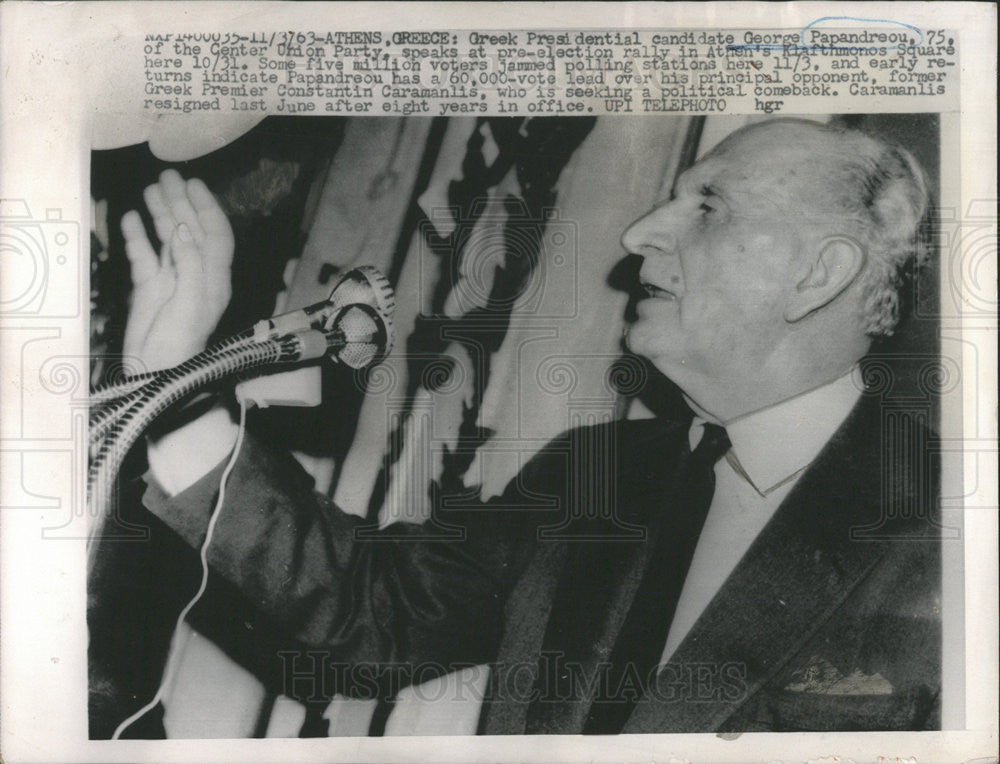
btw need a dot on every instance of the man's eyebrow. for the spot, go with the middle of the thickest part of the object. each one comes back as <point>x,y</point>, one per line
<point>697,181</point>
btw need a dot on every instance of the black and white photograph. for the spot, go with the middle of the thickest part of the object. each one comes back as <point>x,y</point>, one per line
<point>420,381</point>
<point>650,447</point>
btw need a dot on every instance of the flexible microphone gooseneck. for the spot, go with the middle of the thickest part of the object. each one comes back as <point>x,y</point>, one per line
<point>352,326</point>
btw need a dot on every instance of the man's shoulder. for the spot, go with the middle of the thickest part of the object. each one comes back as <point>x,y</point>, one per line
<point>882,448</point>
<point>617,449</point>
<point>627,443</point>
<point>631,431</point>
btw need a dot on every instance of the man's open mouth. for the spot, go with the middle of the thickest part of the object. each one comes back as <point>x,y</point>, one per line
<point>652,290</point>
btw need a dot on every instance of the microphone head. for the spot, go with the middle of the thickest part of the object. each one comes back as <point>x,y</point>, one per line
<point>364,336</point>
<point>362,304</point>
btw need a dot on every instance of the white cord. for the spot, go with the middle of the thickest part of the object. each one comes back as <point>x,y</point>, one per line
<point>175,646</point>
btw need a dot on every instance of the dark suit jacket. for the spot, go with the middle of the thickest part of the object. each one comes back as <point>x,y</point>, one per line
<point>831,621</point>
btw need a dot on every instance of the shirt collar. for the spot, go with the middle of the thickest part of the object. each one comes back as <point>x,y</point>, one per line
<point>772,445</point>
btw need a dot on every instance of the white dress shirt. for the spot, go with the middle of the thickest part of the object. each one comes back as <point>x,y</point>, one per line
<point>770,450</point>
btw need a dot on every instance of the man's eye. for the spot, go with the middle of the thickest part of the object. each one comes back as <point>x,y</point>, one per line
<point>706,208</point>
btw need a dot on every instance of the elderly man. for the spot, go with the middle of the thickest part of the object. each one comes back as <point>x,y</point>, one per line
<point>753,599</point>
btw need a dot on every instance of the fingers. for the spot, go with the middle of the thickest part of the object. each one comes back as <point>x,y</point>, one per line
<point>187,259</point>
<point>163,220</point>
<point>175,193</point>
<point>197,238</point>
<point>173,201</point>
<point>141,255</point>
<point>167,203</point>
<point>218,243</point>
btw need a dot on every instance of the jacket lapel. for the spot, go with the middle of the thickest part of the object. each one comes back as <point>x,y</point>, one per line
<point>604,566</point>
<point>569,604</point>
<point>801,567</point>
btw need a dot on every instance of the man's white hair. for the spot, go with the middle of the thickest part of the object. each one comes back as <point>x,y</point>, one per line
<point>884,190</point>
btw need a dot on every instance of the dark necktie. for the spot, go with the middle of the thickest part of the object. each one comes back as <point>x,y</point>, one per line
<point>640,642</point>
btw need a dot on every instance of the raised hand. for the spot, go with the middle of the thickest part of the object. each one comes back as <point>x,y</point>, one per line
<point>178,295</point>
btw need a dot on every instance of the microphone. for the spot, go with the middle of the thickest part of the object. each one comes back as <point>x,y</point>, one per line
<point>359,335</point>
<point>352,326</point>
<point>363,288</point>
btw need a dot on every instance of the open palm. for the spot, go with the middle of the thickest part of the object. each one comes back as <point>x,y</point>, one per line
<point>180,293</point>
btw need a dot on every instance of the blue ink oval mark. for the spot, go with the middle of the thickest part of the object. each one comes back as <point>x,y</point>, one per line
<point>802,34</point>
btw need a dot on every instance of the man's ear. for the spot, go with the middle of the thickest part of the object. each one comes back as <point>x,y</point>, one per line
<point>835,268</point>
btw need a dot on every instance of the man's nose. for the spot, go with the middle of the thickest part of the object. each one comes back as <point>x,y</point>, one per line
<point>653,234</point>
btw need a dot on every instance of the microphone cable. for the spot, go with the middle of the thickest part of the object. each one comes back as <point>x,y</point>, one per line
<point>175,642</point>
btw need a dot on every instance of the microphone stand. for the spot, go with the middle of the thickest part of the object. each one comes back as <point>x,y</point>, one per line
<point>334,327</point>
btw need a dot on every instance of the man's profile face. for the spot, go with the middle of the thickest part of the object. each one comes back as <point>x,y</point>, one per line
<point>723,256</point>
